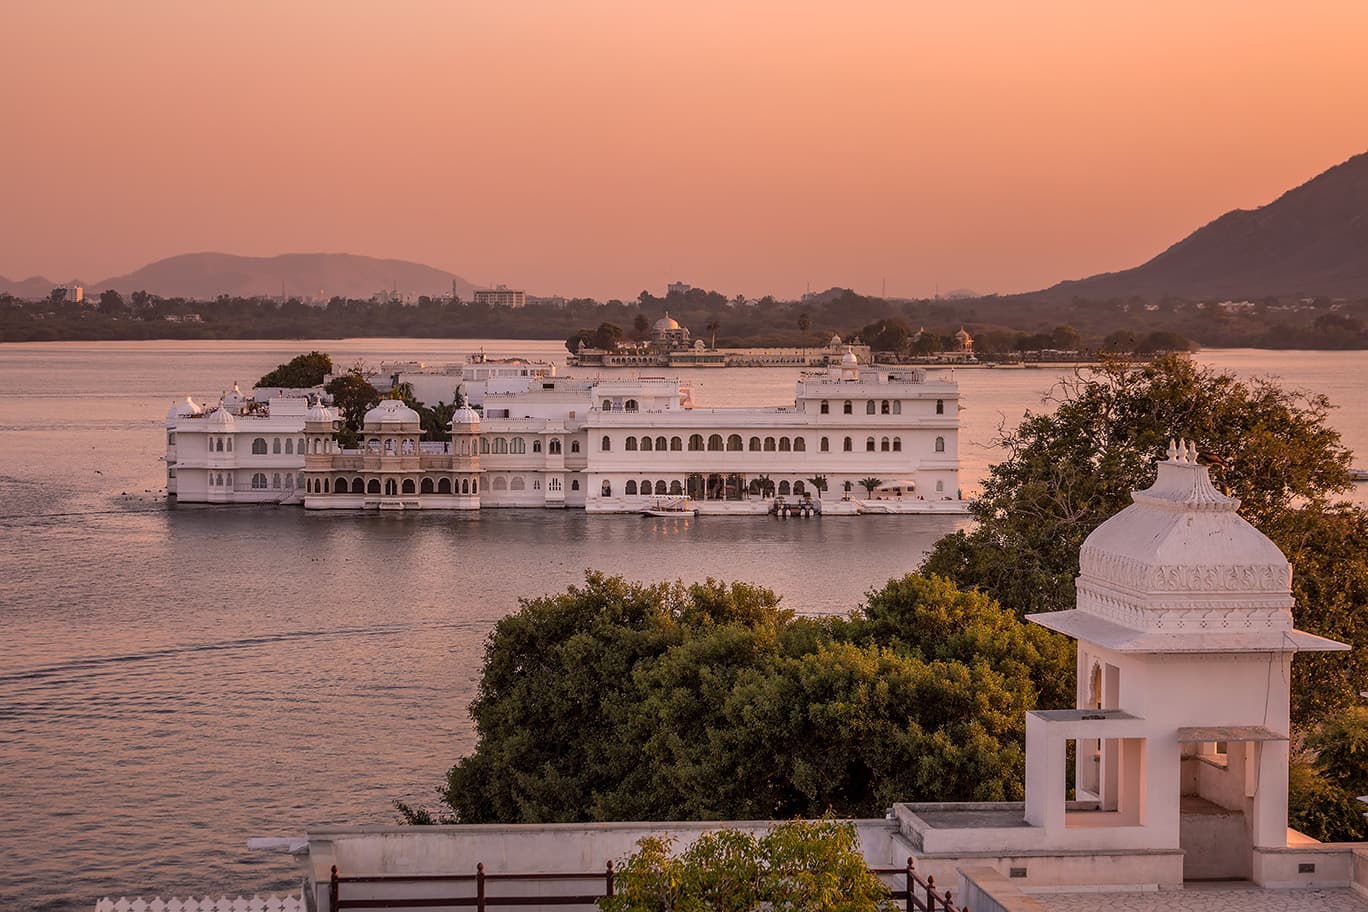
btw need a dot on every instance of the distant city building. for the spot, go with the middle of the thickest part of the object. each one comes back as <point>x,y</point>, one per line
<point>678,288</point>
<point>501,296</point>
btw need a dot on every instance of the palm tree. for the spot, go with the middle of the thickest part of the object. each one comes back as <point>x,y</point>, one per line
<point>819,483</point>
<point>869,484</point>
<point>712,327</point>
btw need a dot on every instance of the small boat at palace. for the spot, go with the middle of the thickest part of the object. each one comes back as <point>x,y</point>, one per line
<point>673,506</point>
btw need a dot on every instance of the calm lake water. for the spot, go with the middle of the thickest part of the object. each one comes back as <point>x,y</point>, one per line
<point>173,681</point>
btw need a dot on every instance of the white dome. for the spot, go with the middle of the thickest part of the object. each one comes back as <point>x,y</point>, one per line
<point>221,419</point>
<point>465,415</point>
<point>391,411</point>
<point>319,412</point>
<point>183,409</point>
<point>666,323</point>
<point>235,397</point>
<point>849,359</point>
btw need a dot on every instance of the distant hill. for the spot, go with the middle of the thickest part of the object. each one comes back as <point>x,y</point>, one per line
<point>32,287</point>
<point>1312,240</point>
<point>208,275</point>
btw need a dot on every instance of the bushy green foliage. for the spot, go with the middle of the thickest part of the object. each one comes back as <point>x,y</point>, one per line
<point>1320,808</point>
<point>798,866</point>
<point>353,395</point>
<point>621,701</point>
<point>300,372</point>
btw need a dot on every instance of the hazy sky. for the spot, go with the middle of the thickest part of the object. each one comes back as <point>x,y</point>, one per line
<point>602,148</point>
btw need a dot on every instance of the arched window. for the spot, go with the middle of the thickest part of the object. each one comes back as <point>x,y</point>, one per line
<point>275,480</point>
<point>785,445</point>
<point>661,444</point>
<point>631,489</point>
<point>695,442</point>
<point>390,448</point>
<point>373,486</point>
<point>847,446</point>
<point>607,444</point>
<point>885,408</point>
<point>940,444</point>
<point>391,487</point>
<point>883,445</point>
<point>606,490</point>
<point>676,444</point>
<point>940,487</point>
<point>474,486</point>
<point>897,406</point>
<point>607,405</point>
<point>259,446</point>
<point>554,447</point>
<point>427,487</point>
<point>661,487</point>
<point>501,483</point>
<point>517,445</point>
<point>574,446</point>
<point>299,449</point>
<point>869,407</point>
<point>826,407</point>
<point>631,444</point>
<point>647,444</point>
<point>715,442</point>
<point>799,489</point>
<point>630,405</point>
<point>574,484</point>
<point>734,443</point>
<point>359,487</point>
<point>824,445</point>
<point>800,444</point>
<point>408,486</point>
<point>784,488</point>
<point>769,445</point>
<point>289,447</point>
<point>869,444</point>
<point>940,406</point>
<point>848,408</point>
<point>754,445</point>
<point>220,444</point>
<point>645,486</point>
<point>676,488</point>
<point>484,445</point>
<point>443,485</point>
<point>517,484</point>
<point>536,446</point>
<point>897,444</point>
<point>230,444</point>
<point>259,479</point>
<point>275,446</point>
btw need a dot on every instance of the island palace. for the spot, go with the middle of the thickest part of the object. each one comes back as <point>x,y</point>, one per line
<point>602,445</point>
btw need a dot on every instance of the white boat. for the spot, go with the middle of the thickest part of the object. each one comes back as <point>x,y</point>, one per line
<point>673,506</point>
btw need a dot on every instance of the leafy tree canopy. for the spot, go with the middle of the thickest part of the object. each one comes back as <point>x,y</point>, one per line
<point>1070,468</point>
<point>300,372</point>
<point>621,701</point>
<point>807,865</point>
<point>353,395</point>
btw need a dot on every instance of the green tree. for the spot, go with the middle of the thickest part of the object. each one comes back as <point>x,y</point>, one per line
<point>813,866</point>
<point>607,336</point>
<point>620,701</point>
<point>870,483</point>
<point>300,372</point>
<point>804,322</point>
<point>712,326</point>
<point>641,328</point>
<point>1069,469</point>
<point>819,484</point>
<point>353,396</point>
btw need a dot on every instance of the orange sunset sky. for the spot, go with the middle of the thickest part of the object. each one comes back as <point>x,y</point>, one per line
<point>589,148</point>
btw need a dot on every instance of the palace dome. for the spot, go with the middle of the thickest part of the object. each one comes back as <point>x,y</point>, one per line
<point>234,398</point>
<point>391,411</point>
<point>319,412</point>
<point>221,419</point>
<point>183,409</point>
<point>849,359</point>
<point>465,415</point>
<point>962,335</point>
<point>667,324</point>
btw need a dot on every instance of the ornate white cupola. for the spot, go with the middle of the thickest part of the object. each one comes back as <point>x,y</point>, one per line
<point>1179,570</point>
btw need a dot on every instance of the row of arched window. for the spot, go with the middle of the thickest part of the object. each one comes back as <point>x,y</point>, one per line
<point>875,407</point>
<point>216,444</point>
<point>405,446</point>
<point>516,446</point>
<point>630,405</point>
<point>393,487</point>
<point>660,487</point>
<point>756,444</point>
<point>259,446</point>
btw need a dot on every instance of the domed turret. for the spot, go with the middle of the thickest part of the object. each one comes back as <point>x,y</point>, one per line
<point>184,408</point>
<point>666,323</point>
<point>221,420</point>
<point>464,415</point>
<point>234,398</point>
<point>849,359</point>
<point>319,412</point>
<point>391,412</point>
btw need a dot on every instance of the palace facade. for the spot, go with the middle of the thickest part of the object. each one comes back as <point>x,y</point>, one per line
<point>854,440</point>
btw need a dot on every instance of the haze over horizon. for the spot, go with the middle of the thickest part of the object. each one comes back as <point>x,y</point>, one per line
<point>604,148</point>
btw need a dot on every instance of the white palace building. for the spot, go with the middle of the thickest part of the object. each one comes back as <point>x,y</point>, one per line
<point>606,446</point>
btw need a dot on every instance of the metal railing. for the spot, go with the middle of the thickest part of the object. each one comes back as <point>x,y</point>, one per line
<point>918,894</point>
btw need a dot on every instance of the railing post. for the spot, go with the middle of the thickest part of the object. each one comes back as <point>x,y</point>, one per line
<point>931,893</point>
<point>911,883</point>
<point>479,887</point>
<point>610,879</point>
<point>949,901</point>
<point>333,886</point>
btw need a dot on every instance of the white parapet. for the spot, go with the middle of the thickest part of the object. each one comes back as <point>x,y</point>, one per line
<point>269,903</point>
